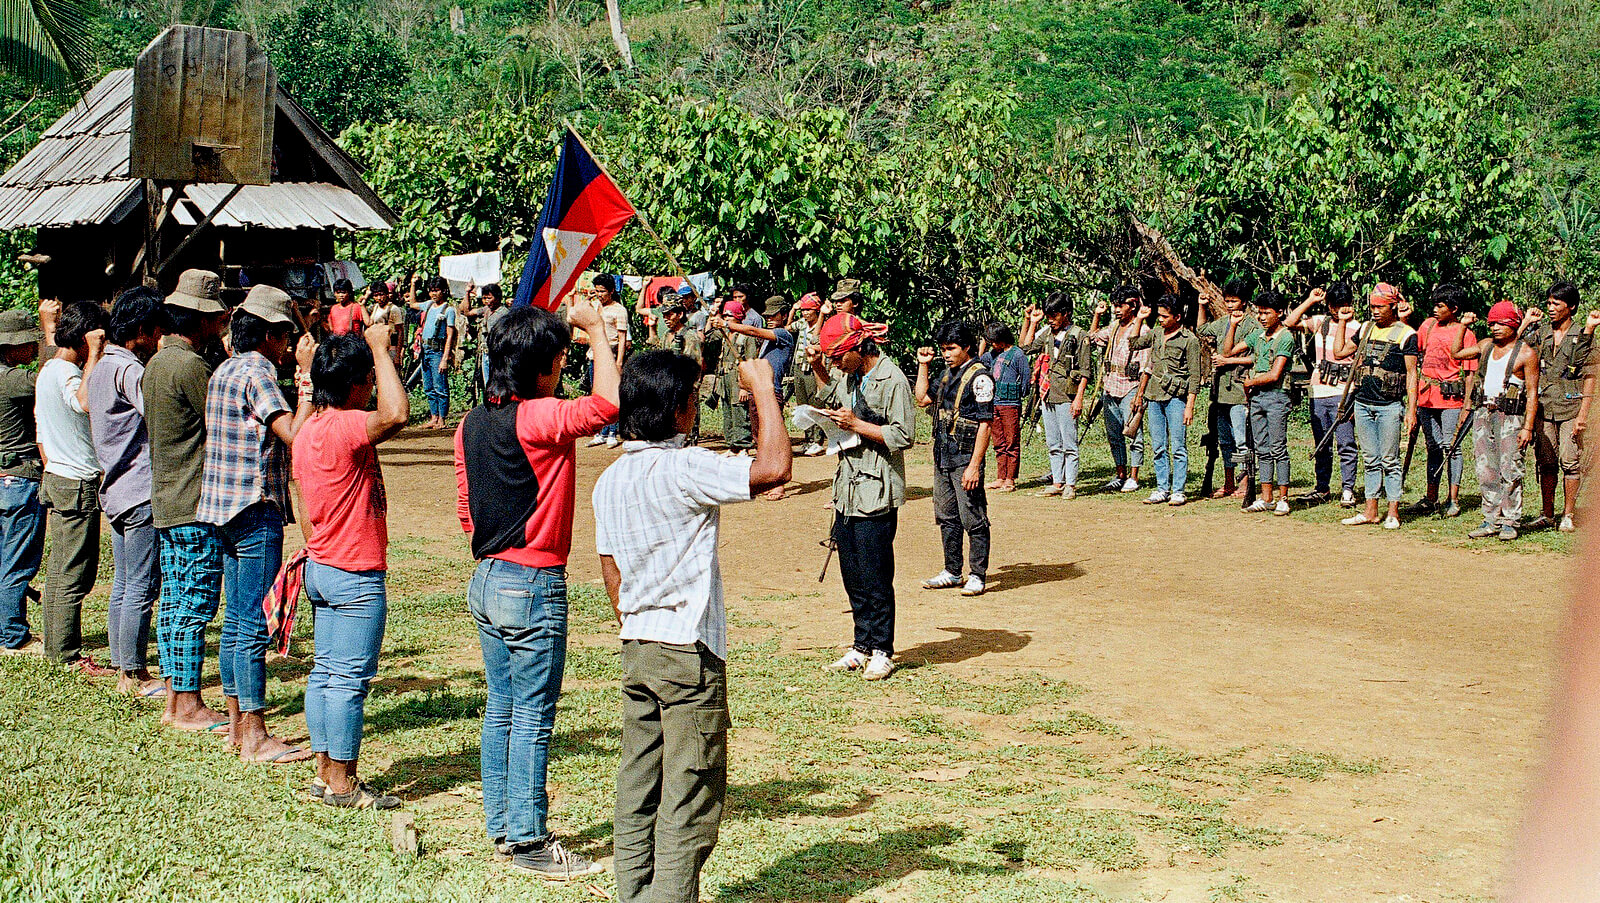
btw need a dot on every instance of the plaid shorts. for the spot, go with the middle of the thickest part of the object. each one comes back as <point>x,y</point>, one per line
<point>191,585</point>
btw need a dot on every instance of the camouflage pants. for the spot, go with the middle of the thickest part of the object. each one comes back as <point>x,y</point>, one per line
<point>1500,467</point>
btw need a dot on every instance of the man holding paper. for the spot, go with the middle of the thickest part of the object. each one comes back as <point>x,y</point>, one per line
<point>873,400</point>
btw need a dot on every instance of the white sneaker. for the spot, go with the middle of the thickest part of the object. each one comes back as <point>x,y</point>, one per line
<point>612,442</point>
<point>1567,526</point>
<point>598,440</point>
<point>813,450</point>
<point>1258,506</point>
<point>1114,484</point>
<point>852,661</point>
<point>1281,508</point>
<point>942,580</point>
<point>879,667</point>
<point>974,586</point>
<point>1357,520</point>
<point>1391,523</point>
<point>1347,499</point>
<point>1130,485</point>
<point>1177,499</point>
<point>1157,497</point>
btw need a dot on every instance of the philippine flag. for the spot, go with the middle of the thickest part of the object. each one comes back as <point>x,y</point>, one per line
<point>583,211</point>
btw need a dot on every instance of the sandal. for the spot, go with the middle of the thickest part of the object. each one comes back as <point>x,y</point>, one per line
<point>279,758</point>
<point>1359,520</point>
<point>361,798</point>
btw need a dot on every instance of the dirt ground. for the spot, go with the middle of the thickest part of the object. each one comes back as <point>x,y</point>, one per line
<point>1198,627</point>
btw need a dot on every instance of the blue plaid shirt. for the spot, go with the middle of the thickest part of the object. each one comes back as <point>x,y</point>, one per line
<point>245,462</point>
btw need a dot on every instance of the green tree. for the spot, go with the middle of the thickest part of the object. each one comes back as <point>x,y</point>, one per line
<point>1364,179</point>
<point>337,64</point>
<point>48,42</point>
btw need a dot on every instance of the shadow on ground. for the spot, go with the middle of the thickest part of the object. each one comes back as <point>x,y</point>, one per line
<point>845,869</point>
<point>968,643</point>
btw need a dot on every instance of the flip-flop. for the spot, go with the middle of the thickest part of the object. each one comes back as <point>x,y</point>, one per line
<point>277,759</point>
<point>213,728</point>
<point>153,691</point>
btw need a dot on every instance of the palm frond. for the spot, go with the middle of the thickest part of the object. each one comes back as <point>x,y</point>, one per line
<point>47,42</point>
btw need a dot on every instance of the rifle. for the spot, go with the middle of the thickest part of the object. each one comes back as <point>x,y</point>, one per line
<point>1209,440</point>
<point>1455,443</point>
<point>1249,474</point>
<point>1411,447</point>
<point>1131,428</point>
<point>1343,412</point>
<point>1032,407</point>
<point>832,546</point>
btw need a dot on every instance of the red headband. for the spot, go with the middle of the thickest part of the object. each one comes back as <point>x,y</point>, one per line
<point>1505,313</point>
<point>843,332</point>
<point>1384,294</point>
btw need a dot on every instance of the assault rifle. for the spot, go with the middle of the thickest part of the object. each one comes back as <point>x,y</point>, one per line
<point>1344,411</point>
<point>1249,474</point>
<point>1209,439</point>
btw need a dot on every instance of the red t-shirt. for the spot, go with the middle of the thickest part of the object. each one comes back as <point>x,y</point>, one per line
<point>346,318</point>
<point>546,430</point>
<point>336,466</point>
<point>1436,344</point>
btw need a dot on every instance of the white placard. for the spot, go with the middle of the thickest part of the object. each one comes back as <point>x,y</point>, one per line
<point>480,269</point>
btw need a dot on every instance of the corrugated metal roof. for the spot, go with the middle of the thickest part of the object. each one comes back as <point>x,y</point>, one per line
<point>284,205</point>
<point>78,174</point>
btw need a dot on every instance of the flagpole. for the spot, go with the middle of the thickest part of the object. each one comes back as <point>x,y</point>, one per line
<point>643,220</point>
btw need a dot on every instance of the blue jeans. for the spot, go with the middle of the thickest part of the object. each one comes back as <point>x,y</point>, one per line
<point>1169,443</point>
<point>21,551</point>
<point>1126,451</point>
<point>350,608</point>
<point>521,614</point>
<point>610,430</point>
<point>1378,428</point>
<point>135,584</point>
<point>1324,413</point>
<point>435,385</point>
<point>1236,426</point>
<point>252,551</point>
<point>1439,430</point>
<point>1061,437</point>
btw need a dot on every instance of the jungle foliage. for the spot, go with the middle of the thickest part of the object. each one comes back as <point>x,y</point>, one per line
<point>967,155</point>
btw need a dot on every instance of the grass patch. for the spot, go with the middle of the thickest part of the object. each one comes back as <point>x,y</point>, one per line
<point>839,789</point>
<point>1314,766</point>
<point>1074,723</point>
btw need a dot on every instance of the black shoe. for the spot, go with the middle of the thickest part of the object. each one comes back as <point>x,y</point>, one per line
<point>553,861</point>
<point>362,797</point>
<point>1317,497</point>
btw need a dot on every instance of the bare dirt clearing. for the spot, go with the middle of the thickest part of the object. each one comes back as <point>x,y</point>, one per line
<point>1268,646</point>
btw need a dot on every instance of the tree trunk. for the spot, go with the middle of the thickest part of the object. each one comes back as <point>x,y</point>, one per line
<point>618,35</point>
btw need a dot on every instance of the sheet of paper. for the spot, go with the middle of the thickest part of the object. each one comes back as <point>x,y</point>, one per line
<point>481,269</point>
<point>805,416</point>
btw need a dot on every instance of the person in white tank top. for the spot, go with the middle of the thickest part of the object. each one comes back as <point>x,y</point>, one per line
<point>1503,420</point>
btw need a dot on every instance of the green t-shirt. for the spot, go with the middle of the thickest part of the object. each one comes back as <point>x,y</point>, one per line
<point>19,453</point>
<point>1267,351</point>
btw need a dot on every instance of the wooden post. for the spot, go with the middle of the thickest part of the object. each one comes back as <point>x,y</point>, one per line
<point>150,250</point>
<point>167,261</point>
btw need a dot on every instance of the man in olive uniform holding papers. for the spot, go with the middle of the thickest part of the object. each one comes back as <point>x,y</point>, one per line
<point>872,399</point>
